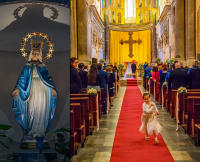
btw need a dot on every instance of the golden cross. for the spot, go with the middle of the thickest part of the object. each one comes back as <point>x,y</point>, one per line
<point>130,42</point>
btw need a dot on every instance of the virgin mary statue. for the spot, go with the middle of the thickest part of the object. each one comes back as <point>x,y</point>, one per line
<point>34,95</point>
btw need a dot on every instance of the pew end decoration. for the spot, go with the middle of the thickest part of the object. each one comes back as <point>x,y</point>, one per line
<point>165,83</point>
<point>182,90</point>
<point>121,68</point>
<point>92,91</point>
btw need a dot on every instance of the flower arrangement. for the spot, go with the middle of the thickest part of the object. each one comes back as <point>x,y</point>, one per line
<point>140,67</point>
<point>182,90</point>
<point>102,61</point>
<point>92,91</point>
<point>165,83</point>
<point>121,67</point>
<point>171,61</point>
<point>157,60</point>
<point>177,56</point>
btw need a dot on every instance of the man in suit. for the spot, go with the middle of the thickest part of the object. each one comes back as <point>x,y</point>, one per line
<point>83,75</point>
<point>194,77</point>
<point>103,84</point>
<point>133,67</point>
<point>75,79</point>
<point>178,77</point>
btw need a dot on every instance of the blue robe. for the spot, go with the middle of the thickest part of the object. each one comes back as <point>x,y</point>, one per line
<point>20,104</point>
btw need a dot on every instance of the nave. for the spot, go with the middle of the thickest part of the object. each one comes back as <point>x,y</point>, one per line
<point>98,147</point>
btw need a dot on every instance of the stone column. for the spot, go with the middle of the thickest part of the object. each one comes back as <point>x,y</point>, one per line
<point>180,30</point>
<point>190,32</point>
<point>82,30</point>
<point>153,44</point>
<point>73,29</point>
<point>107,34</point>
<point>172,30</point>
<point>107,44</point>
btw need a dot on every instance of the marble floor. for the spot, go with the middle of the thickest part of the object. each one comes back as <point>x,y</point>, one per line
<point>98,147</point>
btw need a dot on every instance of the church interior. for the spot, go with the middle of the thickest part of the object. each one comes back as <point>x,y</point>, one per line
<point>134,80</point>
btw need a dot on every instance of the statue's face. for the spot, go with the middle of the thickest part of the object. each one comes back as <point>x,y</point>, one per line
<point>35,55</point>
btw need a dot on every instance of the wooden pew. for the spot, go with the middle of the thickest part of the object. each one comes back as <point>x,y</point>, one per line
<point>74,126</point>
<point>84,116</point>
<point>183,116</point>
<point>151,86</point>
<point>147,83</point>
<point>100,103</point>
<point>143,82</point>
<point>158,92</point>
<point>169,99</point>
<point>172,99</point>
<point>165,96</point>
<point>93,105</point>
<point>197,130</point>
<point>100,100</point>
<point>193,114</point>
<point>173,102</point>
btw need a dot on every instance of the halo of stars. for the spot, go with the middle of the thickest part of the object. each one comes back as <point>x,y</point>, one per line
<point>35,34</point>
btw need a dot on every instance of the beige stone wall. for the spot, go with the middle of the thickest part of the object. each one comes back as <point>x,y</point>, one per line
<point>90,32</point>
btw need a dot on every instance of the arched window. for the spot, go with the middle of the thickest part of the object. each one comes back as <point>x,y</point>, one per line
<point>130,11</point>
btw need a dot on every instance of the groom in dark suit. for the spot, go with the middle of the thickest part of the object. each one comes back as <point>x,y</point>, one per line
<point>133,67</point>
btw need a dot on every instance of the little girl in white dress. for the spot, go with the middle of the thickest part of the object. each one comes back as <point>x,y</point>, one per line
<point>150,125</point>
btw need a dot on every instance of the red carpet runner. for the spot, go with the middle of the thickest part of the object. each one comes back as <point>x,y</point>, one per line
<point>131,82</point>
<point>129,144</point>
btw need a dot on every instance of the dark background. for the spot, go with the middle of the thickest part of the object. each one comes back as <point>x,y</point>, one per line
<point>64,2</point>
<point>11,61</point>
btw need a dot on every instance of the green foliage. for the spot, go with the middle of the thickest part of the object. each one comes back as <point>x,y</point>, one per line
<point>101,61</point>
<point>3,129</point>
<point>121,67</point>
<point>177,56</point>
<point>140,67</point>
<point>115,64</point>
<point>171,61</point>
<point>62,145</point>
<point>157,60</point>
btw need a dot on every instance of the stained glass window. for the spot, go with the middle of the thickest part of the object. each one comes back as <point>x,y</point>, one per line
<point>130,11</point>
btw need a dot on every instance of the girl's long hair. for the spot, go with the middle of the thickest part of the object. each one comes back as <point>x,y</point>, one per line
<point>92,74</point>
